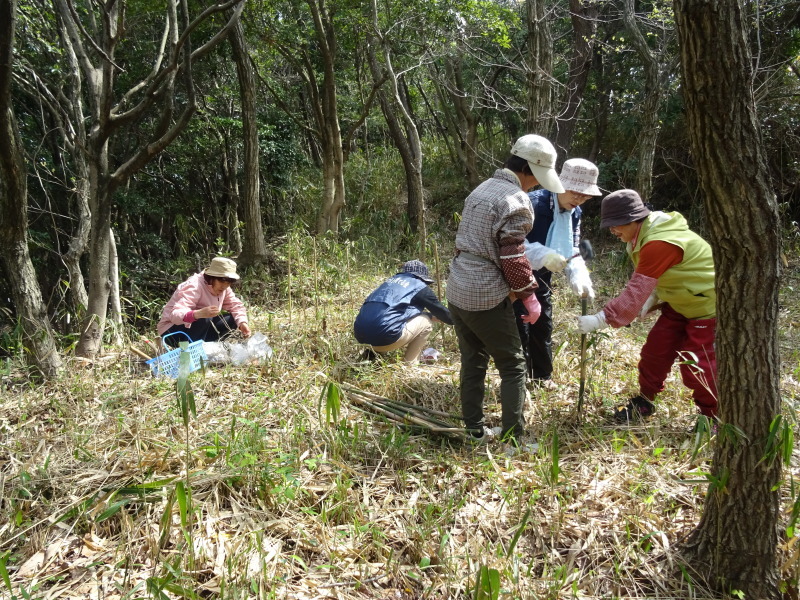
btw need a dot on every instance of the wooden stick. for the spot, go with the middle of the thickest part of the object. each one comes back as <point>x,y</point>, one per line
<point>140,353</point>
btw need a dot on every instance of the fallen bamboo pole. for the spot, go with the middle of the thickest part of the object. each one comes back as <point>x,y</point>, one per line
<point>409,419</point>
<point>433,411</point>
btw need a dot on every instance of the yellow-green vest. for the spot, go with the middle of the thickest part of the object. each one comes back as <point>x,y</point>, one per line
<point>688,287</point>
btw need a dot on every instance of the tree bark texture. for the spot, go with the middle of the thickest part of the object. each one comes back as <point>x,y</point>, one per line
<point>402,128</point>
<point>460,116</point>
<point>326,116</point>
<point>38,339</point>
<point>540,70</point>
<point>735,543</point>
<point>254,248</point>
<point>114,300</point>
<point>653,93</point>
<point>584,25</point>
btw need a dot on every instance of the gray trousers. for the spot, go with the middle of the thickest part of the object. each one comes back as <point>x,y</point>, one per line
<point>492,334</point>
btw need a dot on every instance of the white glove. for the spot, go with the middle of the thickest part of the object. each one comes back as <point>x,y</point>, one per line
<point>649,303</point>
<point>578,277</point>
<point>590,323</point>
<point>536,253</point>
<point>554,262</point>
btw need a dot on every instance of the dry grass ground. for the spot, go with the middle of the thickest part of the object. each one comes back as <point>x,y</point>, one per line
<point>291,499</point>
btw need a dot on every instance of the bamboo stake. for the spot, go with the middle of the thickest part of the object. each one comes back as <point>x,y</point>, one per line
<point>139,353</point>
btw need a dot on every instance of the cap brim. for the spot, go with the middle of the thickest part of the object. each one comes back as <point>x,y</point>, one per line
<point>547,178</point>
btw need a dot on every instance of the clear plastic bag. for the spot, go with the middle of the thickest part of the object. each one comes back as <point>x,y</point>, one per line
<point>254,349</point>
<point>217,352</point>
<point>239,354</point>
<point>258,348</point>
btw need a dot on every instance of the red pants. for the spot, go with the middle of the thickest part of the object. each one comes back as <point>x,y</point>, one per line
<point>674,337</point>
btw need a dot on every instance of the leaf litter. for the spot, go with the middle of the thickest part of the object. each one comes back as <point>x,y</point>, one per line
<point>290,500</point>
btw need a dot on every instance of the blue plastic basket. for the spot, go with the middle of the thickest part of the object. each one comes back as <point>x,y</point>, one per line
<point>167,364</point>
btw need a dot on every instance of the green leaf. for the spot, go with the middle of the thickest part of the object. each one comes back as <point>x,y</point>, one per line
<point>183,503</point>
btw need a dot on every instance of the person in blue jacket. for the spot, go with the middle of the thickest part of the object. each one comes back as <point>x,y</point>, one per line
<point>400,313</point>
<point>551,247</point>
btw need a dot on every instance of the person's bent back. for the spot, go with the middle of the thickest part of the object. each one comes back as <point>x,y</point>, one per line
<point>393,316</point>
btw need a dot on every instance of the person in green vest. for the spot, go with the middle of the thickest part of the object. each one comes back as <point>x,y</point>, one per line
<point>674,273</point>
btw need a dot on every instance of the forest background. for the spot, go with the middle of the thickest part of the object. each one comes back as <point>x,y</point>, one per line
<point>150,138</point>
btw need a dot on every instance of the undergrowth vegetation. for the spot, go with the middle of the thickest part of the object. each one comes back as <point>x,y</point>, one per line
<point>266,481</point>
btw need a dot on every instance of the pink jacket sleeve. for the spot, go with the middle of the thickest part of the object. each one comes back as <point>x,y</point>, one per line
<point>234,306</point>
<point>186,298</point>
<point>623,309</point>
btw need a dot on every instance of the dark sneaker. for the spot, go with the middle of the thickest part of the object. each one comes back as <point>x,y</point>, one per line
<point>638,407</point>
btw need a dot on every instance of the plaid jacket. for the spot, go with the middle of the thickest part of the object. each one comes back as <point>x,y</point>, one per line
<point>496,217</point>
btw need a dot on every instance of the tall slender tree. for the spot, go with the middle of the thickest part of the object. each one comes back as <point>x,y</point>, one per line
<point>657,59</point>
<point>94,32</point>
<point>735,543</point>
<point>584,26</point>
<point>541,84</point>
<point>38,339</point>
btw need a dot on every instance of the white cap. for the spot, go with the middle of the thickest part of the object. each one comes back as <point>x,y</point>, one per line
<point>541,157</point>
<point>580,175</point>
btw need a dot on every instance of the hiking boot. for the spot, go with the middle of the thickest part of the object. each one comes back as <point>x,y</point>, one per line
<point>638,407</point>
<point>486,436</point>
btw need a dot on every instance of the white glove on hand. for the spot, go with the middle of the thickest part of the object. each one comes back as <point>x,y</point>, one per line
<point>649,303</point>
<point>578,277</point>
<point>535,252</point>
<point>590,323</point>
<point>554,262</point>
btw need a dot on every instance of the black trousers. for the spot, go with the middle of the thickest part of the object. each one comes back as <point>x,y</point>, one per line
<point>537,339</point>
<point>207,330</point>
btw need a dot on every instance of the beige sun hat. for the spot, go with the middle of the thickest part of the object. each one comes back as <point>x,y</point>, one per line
<point>580,175</point>
<point>541,157</point>
<point>222,267</point>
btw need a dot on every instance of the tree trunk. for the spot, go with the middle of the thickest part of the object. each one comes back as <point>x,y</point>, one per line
<point>460,118</point>
<point>654,88</point>
<point>735,542</point>
<point>402,128</point>
<point>38,339</point>
<point>254,249</point>
<point>584,25</point>
<point>540,74</point>
<point>114,294</point>
<point>91,334</point>
<point>327,118</point>
<point>79,299</point>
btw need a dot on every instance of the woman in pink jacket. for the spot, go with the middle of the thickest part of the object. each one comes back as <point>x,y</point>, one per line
<point>195,306</point>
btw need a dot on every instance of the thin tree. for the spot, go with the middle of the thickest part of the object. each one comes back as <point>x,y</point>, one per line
<point>402,128</point>
<point>254,250</point>
<point>541,84</point>
<point>38,339</point>
<point>658,65</point>
<point>584,27</point>
<point>94,38</point>
<point>735,543</point>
